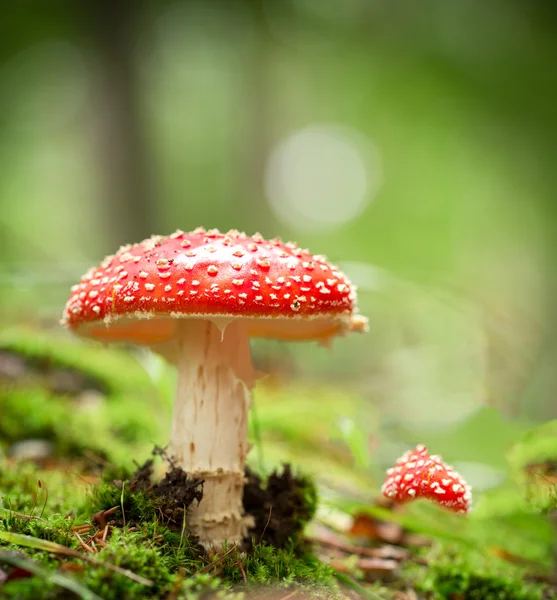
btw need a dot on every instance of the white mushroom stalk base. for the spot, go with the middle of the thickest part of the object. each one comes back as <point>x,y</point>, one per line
<point>210,425</point>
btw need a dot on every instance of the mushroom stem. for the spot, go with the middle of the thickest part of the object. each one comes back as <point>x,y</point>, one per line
<point>210,424</point>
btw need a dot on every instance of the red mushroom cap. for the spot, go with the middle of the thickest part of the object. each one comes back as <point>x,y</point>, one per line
<point>418,475</point>
<point>135,294</point>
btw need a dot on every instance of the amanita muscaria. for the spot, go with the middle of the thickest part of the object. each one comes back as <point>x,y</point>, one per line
<point>197,298</point>
<point>416,474</point>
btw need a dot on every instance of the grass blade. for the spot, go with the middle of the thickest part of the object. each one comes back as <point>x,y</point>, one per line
<point>38,544</point>
<point>352,584</point>
<point>15,560</point>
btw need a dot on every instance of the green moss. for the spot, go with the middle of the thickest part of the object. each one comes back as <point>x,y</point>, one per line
<point>129,414</point>
<point>116,371</point>
<point>44,505</point>
<point>537,446</point>
<point>133,552</point>
<point>108,433</point>
<point>534,464</point>
<point>28,489</point>
<point>57,528</point>
<point>171,563</point>
<point>280,566</point>
<point>149,547</point>
<point>204,586</point>
<point>456,572</point>
<point>134,506</point>
<point>34,587</point>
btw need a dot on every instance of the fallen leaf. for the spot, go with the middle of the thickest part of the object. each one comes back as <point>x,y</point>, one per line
<point>368,527</point>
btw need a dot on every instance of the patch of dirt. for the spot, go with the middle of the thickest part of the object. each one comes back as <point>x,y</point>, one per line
<point>173,493</point>
<point>141,479</point>
<point>279,506</point>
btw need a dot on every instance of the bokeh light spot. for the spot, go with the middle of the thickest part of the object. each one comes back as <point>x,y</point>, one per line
<point>322,177</point>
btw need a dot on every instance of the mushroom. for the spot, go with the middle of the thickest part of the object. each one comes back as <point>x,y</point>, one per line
<point>418,475</point>
<point>197,298</point>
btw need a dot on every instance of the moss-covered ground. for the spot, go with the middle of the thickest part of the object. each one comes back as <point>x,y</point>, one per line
<point>87,511</point>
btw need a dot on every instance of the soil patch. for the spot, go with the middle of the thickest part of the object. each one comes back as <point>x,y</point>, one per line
<point>281,506</point>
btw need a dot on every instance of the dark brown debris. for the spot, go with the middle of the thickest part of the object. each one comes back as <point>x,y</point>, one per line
<point>278,506</point>
<point>173,493</point>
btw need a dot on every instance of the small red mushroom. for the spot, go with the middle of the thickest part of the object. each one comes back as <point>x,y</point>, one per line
<point>197,298</point>
<point>416,474</point>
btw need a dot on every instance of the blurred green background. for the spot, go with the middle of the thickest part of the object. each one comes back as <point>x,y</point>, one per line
<point>413,143</point>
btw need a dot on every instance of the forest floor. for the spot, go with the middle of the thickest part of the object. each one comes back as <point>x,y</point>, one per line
<point>91,506</point>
